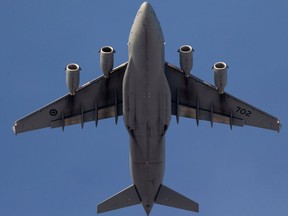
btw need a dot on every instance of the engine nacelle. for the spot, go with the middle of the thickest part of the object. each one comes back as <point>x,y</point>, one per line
<point>72,77</point>
<point>220,76</point>
<point>106,60</point>
<point>186,59</point>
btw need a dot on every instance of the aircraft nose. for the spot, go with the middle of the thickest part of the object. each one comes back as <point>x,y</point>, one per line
<point>146,12</point>
<point>145,29</point>
<point>145,6</point>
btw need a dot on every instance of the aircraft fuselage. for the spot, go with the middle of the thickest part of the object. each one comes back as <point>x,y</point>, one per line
<point>146,104</point>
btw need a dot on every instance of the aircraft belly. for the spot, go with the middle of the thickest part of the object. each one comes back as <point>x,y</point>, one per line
<point>147,174</point>
<point>146,99</point>
<point>146,114</point>
<point>146,106</point>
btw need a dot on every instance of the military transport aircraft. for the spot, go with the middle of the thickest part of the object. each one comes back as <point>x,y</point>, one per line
<point>146,90</point>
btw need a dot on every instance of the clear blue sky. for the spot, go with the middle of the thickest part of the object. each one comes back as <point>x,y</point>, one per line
<point>47,172</point>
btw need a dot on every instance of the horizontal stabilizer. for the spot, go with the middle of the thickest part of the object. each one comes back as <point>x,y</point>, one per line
<point>168,197</point>
<point>125,198</point>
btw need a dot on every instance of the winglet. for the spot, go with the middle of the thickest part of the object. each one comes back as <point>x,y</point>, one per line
<point>124,198</point>
<point>14,128</point>
<point>279,125</point>
<point>168,197</point>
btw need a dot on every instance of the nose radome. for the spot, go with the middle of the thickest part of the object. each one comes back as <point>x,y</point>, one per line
<point>147,10</point>
<point>147,14</point>
<point>146,6</point>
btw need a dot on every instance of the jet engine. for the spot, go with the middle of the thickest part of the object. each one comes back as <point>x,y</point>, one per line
<point>106,60</point>
<point>220,76</point>
<point>72,77</point>
<point>186,59</point>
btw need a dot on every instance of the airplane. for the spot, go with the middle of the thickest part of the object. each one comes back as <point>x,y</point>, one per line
<point>146,91</point>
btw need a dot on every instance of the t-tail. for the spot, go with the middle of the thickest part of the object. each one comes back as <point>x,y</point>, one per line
<point>130,196</point>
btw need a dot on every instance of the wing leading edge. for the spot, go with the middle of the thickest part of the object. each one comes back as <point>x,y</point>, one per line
<point>98,99</point>
<point>194,98</point>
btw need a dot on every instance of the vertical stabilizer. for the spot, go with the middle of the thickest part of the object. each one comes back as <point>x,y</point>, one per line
<point>124,198</point>
<point>168,197</point>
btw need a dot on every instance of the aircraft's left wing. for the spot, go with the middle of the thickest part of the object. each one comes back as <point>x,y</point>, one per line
<point>101,98</point>
<point>194,98</point>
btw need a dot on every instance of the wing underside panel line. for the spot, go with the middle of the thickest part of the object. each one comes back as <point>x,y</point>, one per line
<point>208,115</point>
<point>87,116</point>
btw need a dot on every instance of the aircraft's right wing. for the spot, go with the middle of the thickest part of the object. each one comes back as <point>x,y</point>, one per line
<point>101,98</point>
<point>194,98</point>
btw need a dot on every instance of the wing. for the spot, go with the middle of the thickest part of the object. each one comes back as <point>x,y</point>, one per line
<point>101,98</point>
<point>194,98</point>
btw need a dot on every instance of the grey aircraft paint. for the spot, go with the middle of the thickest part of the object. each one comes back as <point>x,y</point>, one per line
<point>146,104</point>
<point>146,91</point>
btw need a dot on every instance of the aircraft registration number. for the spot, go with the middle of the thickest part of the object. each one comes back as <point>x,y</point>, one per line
<point>243,111</point>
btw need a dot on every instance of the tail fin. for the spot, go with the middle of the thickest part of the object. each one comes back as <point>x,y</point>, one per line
<point>168,197</point>
<point>124,198</point>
